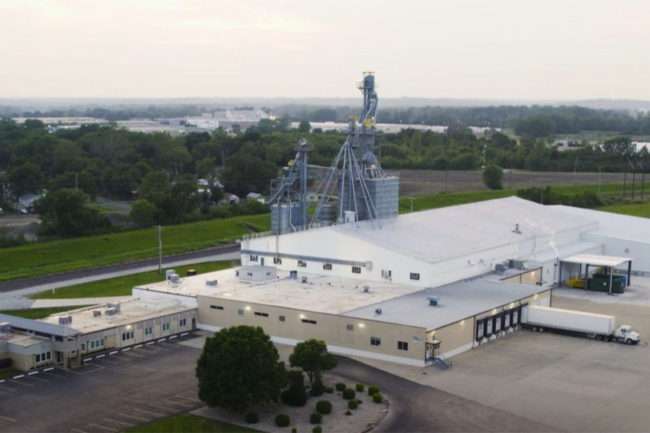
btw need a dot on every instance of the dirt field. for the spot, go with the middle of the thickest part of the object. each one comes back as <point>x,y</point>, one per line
<point>419,182</point>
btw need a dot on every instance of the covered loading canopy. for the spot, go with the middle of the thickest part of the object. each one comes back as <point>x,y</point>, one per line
<point>609,262</point>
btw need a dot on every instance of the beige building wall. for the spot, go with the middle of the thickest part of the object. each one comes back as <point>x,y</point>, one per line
<point>332,328</point>
<point>454,337</point>
<point>531,277</point>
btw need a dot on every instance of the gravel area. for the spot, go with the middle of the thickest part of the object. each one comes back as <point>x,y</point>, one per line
<point>367,415</point>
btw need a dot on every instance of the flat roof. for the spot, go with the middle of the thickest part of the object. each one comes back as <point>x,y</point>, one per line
<point>321,293</point>
<point>456,301</point>
<point>597,260</point>
<point>133,310</point>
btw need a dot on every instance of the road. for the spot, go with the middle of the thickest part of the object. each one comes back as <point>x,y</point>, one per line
<point>110,271</point>
<point>125,389</point>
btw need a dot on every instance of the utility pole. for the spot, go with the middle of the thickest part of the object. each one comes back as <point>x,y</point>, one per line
<point>159,249</point>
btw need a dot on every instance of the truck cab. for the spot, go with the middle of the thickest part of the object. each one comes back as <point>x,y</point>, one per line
<point>624,334</point>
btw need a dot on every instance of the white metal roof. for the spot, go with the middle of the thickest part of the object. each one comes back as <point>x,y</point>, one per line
<point>440,234</point>
<point>597,260</point>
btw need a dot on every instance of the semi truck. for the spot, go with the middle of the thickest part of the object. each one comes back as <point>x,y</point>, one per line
<point>598,326</point>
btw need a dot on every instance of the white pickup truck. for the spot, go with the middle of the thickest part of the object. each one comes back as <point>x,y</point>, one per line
<point>598,326</point>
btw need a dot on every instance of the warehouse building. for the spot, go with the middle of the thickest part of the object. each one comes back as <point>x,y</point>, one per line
<point>65,339</point>
<point>405,289</point>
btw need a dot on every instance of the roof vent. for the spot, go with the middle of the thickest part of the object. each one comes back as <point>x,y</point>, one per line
<point>433,301</point>
<point>516,230</point>
<point>366,289</point>
<point>96,313</point>
<point>377,310</point>
<point>211,283</point>
<point>303,280</point>
<point>65,320</point>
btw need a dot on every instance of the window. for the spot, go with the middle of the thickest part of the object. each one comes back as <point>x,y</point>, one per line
<point>83,347</point>
<point>165,326</point>
<point>313,322</point>
<point>216,307</point>
<point>277,261</point>
<point>182,323</point>
<point>48,355</point>
<point>101,342</point>
<point>282,318</point>
<point>253,258</point>
<point>375,341</point>
<point>128,335</point>
<point>240,312</point>
<point>402,345</point>
<point>257,313</point>
<point>302,263</point>
<point>327,266</point>
<point>92,344</point>
<point>415,276</point>
<point>38,357</point>
<point>349,327</point>
<point>148,330</point>
<point>356,269</point>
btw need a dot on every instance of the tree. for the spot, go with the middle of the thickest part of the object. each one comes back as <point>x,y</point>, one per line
<point>304,127</point>
<point>295,395</point>
<point>312,356</point>
<point>65,213</point>
<point>238,368</point>
<point>493,176</point>
<point>143,213</point>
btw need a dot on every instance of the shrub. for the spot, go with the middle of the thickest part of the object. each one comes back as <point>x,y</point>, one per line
<point>317,429</point>
<point>340,386</point>
<point>294,429</point>
<point>315,418</point>
<point>372,389</point>
<point>317,388</point>
<point>352,404</point>
<point>349,393</point>
<point>347,412</point>
<point>295,395</point>
<point>359,387</point>
<point>377,397</point>
<point>324,407</point>
<point>282,420</point>
<point>329,389</point>
<point>359,401</point>
<point>252,418</point>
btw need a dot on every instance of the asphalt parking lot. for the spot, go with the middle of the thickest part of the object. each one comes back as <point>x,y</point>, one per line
<point>108,394</point>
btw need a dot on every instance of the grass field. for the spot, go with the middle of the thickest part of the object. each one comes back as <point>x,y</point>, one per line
<point>188,423</point>
<point>121,286</point>
<point>64,255</point>
<point>634,209</point>
<point>433,201</point>
<point>39,313</point>
<point>9,372</point>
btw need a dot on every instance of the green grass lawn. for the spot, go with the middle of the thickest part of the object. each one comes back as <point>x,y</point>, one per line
<point>635,209</point>
<point>64,255</point>
<point>121,286</point>
<point>9,372</point>
<point>188,423</point>
<point>39,313</point>
<point>433,201</point>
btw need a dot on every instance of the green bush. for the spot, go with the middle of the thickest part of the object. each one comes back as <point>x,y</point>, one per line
<point>317,388</point>
<point>324,407</point>
<point>317,429</point>
<point>372,389</point>
<point>377,398</point>
<point>340,386</point>
<point>282,420</point>
<point>329,389</point>
<point>349,393</point>
<point>252,418</point>
<point>315,418</point>
<point>352,404</point>
<point>294,429</point>
<point>295,395</point>
<point>359,387</point>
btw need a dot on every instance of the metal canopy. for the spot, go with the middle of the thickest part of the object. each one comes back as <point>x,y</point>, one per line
<point>597,260</point>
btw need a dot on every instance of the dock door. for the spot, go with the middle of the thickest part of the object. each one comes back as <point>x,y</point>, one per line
<point>498,323</point>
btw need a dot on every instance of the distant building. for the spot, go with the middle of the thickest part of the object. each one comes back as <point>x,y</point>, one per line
<point>230,198</point>
<point>255,196</point>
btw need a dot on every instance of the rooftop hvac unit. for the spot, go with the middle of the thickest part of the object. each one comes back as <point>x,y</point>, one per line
<point>111,311</point>
<point>5,327</point>
<point>366,289</point>
<point>211,283</point>
<point>65,320</point>
<point>293,275</point>
<point>169,273</point>
<point>97,313</point>
<point>303,280</point>
<point>175,279</point>
<point>115,305</point>
<point>499,268</point>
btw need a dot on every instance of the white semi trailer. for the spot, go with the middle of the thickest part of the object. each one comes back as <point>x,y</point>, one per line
<point>598,326</point>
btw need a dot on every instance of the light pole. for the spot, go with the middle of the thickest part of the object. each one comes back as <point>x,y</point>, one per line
<point>411,199</point>
<point>159,249</point>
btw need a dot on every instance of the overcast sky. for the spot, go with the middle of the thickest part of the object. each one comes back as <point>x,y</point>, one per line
<point>524,49</point>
